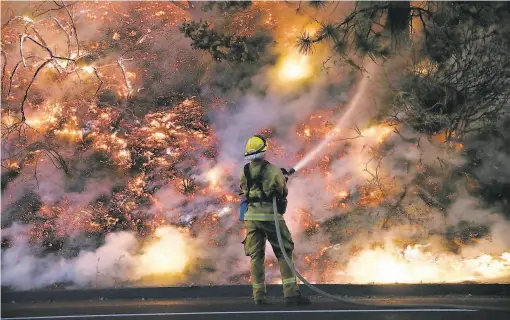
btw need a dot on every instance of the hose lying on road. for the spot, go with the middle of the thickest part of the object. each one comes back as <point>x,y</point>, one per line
<point>359,303</point>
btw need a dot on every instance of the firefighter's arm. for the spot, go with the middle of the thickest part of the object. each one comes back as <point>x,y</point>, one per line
<point>243,183</point>
<point>276,182</point>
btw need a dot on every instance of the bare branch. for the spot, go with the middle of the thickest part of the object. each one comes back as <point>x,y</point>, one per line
<point>120,62</point>
<point>4,67</point>
<point>12,15</point>
<point>100,81</point>
<point>351,138</point>
<point>410,140</point>
<point>23,118</point>
<point>67,36</point>
<point>338,2</point>
<point>21,41</point>
<point>358,131</point>
<point>299,7</point>
<point>35,170</point>
<point>15,69</point>
<point>73,25</point>
<point>38,35</point>
<point>52,56</point>
<point>52,154</point>
<point>17,18</point>
<point>59,7</point>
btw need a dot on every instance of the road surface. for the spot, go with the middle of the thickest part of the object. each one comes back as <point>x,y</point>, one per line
<point>468,308</point>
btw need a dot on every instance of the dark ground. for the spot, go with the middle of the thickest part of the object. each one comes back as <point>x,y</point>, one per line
<point>420,304</point>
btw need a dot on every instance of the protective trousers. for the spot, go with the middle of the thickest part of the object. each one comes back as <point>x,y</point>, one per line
<point>257,232</point>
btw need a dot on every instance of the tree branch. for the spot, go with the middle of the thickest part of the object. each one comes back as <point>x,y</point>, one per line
<point>15,69</point>
<point>100,81</point>
<point>23,118</point>
<point>67,36</point>
<point>59,7</point>
<point>73,25</point>
<point>52,56</point>
<point>120,62</point>
<point>4,67</point>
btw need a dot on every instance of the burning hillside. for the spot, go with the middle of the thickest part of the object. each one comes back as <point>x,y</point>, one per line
<point>122,146</point>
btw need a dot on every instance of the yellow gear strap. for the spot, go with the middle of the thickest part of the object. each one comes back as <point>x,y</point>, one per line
<point>289,280</point>
<point>258,285</point>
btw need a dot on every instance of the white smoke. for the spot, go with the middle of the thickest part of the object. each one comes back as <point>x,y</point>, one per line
<point>122,259</point>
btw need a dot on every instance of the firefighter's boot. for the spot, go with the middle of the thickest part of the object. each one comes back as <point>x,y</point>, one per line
<point>298,300</point>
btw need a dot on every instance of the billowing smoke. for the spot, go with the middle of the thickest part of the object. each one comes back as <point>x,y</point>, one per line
<point>121,259</point>
<point>148,193</point>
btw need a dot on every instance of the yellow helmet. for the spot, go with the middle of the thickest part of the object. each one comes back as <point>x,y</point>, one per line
<point>255,145</point>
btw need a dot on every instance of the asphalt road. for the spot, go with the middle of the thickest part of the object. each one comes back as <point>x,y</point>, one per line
<point>468,308</point>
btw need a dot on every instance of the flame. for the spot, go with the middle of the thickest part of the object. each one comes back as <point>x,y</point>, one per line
<point>213,176</point>
<point>88,69</point>
<point>69,133</point>
<point>49,115</point>
<point>379,133</point>
<point>8,119</point>
<point>343,195</point>
<point>414,265</point>
<point>28,19</point>
<point>294,67</point>
<point>167,254</point>
<point>11,165</point>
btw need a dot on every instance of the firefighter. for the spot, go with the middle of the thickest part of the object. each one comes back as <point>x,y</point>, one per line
<point>265,181</point>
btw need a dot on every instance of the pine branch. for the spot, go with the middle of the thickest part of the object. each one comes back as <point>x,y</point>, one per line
<point>317,5</point>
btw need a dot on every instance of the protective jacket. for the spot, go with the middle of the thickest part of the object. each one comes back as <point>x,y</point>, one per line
<point>273,181</point>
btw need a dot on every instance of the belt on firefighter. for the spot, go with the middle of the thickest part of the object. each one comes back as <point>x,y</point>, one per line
<point>257,199</point>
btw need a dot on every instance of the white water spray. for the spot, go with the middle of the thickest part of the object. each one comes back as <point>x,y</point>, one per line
<point>350,108</point>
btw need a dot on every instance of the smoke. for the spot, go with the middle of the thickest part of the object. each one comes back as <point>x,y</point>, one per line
<point>122,259</point>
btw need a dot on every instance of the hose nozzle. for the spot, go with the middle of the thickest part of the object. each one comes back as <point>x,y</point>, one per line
<point>289,172</point>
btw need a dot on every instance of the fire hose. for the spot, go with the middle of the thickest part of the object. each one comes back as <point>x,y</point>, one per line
<point>359,303</point>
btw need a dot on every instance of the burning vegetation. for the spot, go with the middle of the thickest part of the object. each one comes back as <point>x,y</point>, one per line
<point>123,127</point>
